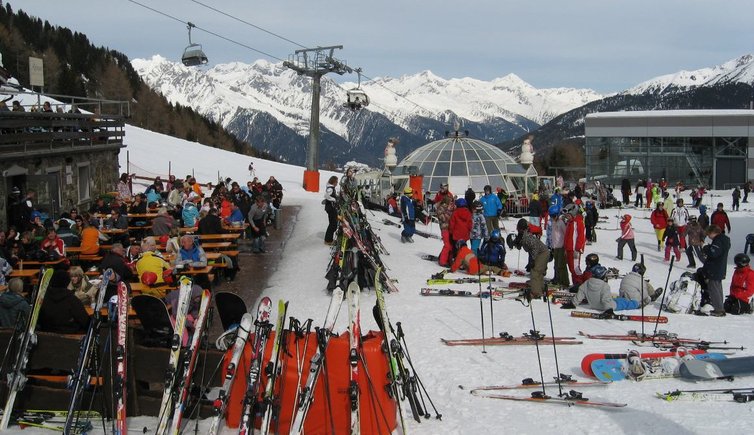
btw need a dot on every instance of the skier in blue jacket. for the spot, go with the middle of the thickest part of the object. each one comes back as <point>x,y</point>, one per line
<point>409,215</point>
<point>492,207</point>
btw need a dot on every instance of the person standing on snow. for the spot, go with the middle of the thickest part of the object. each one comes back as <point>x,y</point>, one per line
<point>331,208</point>
<point>557,238</point>
<point>720,218</point>
<point>659,220</point>
<point>444,212</point>
<point>626,237</point>
<point>539,256</point>
<point>460,224</point>
<point>408,213</point>
<point>715,265</point>
<point>680,216</point>
<point>575,241</point>
<point>493,207</point>
<point>696,236</point>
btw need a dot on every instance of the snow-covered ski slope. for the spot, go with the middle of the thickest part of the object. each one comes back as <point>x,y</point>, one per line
<point>300,279</point>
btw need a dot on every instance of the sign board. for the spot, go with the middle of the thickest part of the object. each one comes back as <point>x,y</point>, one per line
<point>36,72</point>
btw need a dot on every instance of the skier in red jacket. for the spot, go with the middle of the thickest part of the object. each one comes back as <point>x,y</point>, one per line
<point>461,222</point>
<point>720,218</point>
<point>574,242</point>
<point>741,287</point>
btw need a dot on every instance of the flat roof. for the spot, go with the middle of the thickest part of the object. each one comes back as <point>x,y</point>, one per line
<point>672,113</point>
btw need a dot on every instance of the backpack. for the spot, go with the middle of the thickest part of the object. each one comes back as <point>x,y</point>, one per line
<point>684,295</point>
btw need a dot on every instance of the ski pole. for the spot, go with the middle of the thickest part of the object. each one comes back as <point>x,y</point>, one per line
<point>642,298</point>
<point>536,342</point>
<point>664,292</point>
<point>554,347</point>
<point>402,337</point>
<point>492,311</point>
<point>481,308</point>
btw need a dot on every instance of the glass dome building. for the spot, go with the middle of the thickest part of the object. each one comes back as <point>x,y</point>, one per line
<point>463,162</point>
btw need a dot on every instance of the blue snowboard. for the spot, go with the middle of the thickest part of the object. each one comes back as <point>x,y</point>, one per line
<point>702,370</point>
<point>611,370</point>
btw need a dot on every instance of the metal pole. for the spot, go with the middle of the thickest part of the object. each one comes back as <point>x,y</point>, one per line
<point>312,153</point>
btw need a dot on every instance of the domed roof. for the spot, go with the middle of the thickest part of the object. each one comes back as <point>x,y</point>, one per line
<point>461,162</point>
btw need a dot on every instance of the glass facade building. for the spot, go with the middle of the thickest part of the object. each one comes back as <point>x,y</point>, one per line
<point>463,162</point>
<point>714,148</point>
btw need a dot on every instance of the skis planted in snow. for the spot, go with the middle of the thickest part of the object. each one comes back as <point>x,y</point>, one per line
<point>16,380</point>
<point>120,387</point>
<point>273,368</point>
<point>189,362</point>
<point>306,397</point>
<point>261,333</point>
<point>230,373</point>
<point>354,333</point>
<point>171,373</point>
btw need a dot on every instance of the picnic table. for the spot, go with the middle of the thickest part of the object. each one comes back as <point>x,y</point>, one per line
<point>38,264</point>
<point>24,274</point>
<point>216,245</point>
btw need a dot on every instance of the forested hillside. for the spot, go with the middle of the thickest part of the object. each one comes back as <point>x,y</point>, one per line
<point>74,66</point>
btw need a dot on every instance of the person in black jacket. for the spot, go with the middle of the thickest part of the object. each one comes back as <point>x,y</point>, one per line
<point>210,224</point>
<point>715,264</point>
<point>62,311</point>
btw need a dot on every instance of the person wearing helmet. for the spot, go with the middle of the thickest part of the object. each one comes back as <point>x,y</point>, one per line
<point>478,227</point>
<point>633,286</point>
<point>539,256</point>
<point>493,208</point>
<point>715,266</point>
<point>659,220</point>
<point>557,230</point>
<point>597,294</point>
<point>408,215</point>
<point>574,242</point>
<point>492,252</point>
<point>741,287</point>
<point>626,237</point>
<point>695,235</point>
<point>460,223</point>
<point>703,217</point>
<point>393,209</point>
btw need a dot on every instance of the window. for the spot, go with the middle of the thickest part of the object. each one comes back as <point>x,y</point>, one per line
<point>84,182</point>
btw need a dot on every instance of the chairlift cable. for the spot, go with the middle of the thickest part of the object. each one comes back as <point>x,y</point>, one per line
<point>208,31</point>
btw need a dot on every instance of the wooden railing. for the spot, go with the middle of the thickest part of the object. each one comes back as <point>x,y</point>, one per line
<point>29,133</point>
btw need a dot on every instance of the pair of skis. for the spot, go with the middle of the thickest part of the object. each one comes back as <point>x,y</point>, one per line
<point>505,339</point>
<point>26,342</point>
<point>468,280</point>
<point>179,374</point>
<point>740,395</point>
<point>622,317</point>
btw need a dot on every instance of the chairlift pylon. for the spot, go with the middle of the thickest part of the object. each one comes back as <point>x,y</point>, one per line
<point>193,54</point>
<point>356,99</point>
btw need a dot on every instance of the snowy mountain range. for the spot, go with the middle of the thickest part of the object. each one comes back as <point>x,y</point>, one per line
<point>268,105</point>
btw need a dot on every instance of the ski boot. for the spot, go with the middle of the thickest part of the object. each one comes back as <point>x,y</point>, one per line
<point>607,314</point>
<point>636,368</point>
<point>505,336</point>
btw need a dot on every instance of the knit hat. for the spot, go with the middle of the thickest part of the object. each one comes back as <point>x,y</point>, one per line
<point>60,278</point>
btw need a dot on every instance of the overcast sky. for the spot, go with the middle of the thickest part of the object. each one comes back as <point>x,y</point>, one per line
<point>605,45</point>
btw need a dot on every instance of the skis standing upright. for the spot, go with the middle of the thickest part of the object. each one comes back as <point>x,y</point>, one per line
<point>261,333</point>
<point>184,300</point>
<point>27,341</point>
<point>120,312</point>
<point>189,362</point>
<point>87,353</point>
<point>273,368</point>
<point>306,396</point>
<point>354,332</point>
<point>230,374</point>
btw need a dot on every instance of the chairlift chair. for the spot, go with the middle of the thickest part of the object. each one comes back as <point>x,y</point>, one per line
<point>193,54</point>
<point>356,99</point>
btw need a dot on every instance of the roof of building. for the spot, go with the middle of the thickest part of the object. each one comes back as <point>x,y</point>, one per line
<point>671,113</point>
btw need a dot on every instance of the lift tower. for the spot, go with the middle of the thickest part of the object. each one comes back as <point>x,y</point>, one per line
<point>314,63</point>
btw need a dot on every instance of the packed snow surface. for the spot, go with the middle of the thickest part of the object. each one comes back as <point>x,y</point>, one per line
<point>426,320</point>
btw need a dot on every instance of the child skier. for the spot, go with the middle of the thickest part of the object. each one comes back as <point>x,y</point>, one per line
<point>671,241</point>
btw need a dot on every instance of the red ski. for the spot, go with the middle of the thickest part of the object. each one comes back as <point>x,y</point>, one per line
<point>622,317</point>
